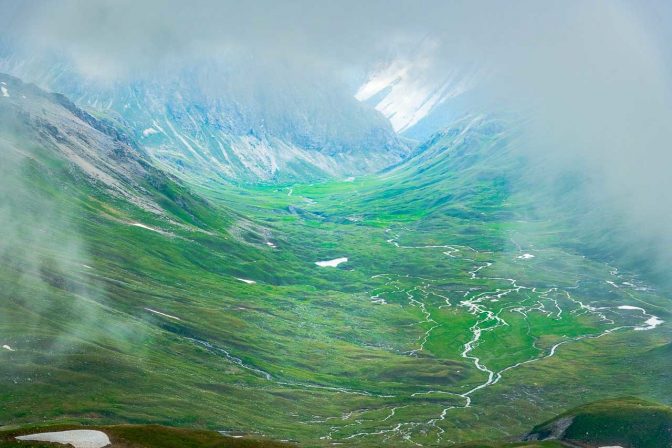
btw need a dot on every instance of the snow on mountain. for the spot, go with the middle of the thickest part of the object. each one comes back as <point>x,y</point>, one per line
<point>410,89</point>
<point>213,122</point>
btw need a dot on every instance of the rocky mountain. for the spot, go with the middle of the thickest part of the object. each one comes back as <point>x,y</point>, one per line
<point>51,146</point>
<point>213,123</point>
<point>418,97</point>
<point>425,300</point>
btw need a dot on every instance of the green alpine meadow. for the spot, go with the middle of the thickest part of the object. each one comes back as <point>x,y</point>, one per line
<point>316,224</point>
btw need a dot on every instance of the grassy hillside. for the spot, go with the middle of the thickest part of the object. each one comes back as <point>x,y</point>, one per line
<point>130,297</point>
<point>626,422</point>
<point>548,444</point>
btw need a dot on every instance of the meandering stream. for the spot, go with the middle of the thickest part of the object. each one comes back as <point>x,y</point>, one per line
<point>487,305</point>
<point>476,302</point>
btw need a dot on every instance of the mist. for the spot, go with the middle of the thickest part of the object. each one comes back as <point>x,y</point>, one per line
<point>590,81</point>
<point>47,264</point>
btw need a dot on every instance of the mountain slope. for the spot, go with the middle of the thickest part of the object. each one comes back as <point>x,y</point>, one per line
<point>626,422</point>
<point>48,131</point>
<point>215,123</point>
<point>98,245</point>
<point>130,297</point>
<point>416,95</point>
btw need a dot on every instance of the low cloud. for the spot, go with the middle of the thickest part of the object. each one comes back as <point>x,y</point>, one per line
<point>591,80</point>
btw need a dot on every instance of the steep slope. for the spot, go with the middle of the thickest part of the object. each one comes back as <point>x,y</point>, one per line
<point>497,282</point>
<point>468,171</point>
<point>127,298</point>
<point>625,422</point>
<point>415,94</point>
<point>467,168</point>
<point>43,131</point>
<point>98,245</point>
<point>213,122</point>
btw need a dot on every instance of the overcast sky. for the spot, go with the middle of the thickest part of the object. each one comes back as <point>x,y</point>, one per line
<point>594,76</point>
<point>120,36</point>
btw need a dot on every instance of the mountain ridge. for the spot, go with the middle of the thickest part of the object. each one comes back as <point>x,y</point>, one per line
<point>228,133</point>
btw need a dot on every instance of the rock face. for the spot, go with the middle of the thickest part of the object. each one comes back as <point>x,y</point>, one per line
<point>46,127</point>
<point>106,154</point>
<point>555,430</point>
<point>417,96</point>
<point>210,123</point>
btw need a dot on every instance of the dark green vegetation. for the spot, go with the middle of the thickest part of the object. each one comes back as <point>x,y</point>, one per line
<point>461,314</point>
<point>627,422</point>
<point>546,444</point>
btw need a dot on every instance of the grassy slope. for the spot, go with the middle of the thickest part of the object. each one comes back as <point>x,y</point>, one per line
<point>88,351</point>
<point>627,422</point>
<point>549,444</point>
<point>488,218</point>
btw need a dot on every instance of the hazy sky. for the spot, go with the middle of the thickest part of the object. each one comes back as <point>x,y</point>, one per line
<point>595,77</point>
<point>115,37</point>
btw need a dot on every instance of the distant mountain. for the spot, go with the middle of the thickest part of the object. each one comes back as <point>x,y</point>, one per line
<point>129,298</point>
<point>477,168</point>
<point>49,144</point>
<point>212,122</point>
<point>418,97</point>
<point>465,170</point>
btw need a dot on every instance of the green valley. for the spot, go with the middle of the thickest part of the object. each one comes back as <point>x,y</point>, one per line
<point>212,312</point>
<point>312,224</point>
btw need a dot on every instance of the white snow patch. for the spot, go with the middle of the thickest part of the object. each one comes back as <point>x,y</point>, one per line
<point>331,263</point>
<point>630,307</point>
<point>525,256</point>
<point>144,226</point>
<point>79,438</point>
<point>149,131</point>
<point>4,91</point>
<point>651,323</point>
<point>7,347</point>
<point>244,280</point>
<point>162,314</point>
